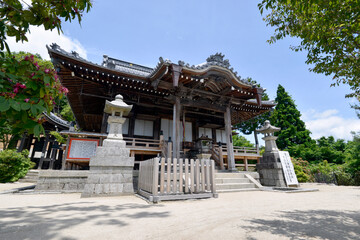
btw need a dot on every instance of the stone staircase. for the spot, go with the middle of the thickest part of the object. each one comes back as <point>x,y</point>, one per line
<point>235,181</point>
<point>31,177</point>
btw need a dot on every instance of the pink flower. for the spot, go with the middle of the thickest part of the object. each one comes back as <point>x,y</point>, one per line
<point>64,90</point>
<point>32,74</point>
<point>16,90</point>
<point>26,99</point>
<point>27,58</point>
<point>19,85</point>
<point>47,70</point>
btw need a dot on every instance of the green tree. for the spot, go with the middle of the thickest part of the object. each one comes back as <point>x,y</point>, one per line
<point>329,32</point>
<point>17,16</point>
<point>28,88</point>
<point>241,141</point>
<point>249,127</point>
<point>287,117</point>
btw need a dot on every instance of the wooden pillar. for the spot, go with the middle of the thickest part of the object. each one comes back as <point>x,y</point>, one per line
<point>176,128</point>
<point>229,142</point>
<point>176,71</point>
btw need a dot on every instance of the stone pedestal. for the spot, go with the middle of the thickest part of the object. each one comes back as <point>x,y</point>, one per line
<point>111,171</point>
<point>270,170</point>
<point>205,156</point>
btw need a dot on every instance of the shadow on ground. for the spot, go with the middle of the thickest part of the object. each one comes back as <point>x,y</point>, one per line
<point>323,224</point>
<point>47,222</point>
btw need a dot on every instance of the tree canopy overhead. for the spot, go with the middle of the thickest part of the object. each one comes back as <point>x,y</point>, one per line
<point>329,31</point>
<point>16,16</point>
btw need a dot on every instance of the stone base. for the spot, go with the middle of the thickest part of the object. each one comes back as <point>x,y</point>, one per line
<point>109,181</point>
<point>270,170</point>
<point>61,181</point>
<point>203,156</point>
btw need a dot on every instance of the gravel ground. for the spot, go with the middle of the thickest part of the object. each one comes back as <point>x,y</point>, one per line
<point>331,213</point>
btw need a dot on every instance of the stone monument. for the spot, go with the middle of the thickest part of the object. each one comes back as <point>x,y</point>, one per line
<point>270,168</point>
<point>111,169</point>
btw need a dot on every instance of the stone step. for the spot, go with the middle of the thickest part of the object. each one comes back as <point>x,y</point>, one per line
<point>230,186</point>
<point>237,190</point>
<point>232,180</point>
<point>32,176</point>
<point>229,175</point>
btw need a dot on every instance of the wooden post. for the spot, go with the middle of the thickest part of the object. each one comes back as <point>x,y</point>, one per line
<point>181,175</point>
<point>246,164</point>
<point>229,143</point>
<point>197,175</point>
<point>221,157</point>
<point>202,175</point>
<point>192,184</point>
<point>174,189</point>
<point>168,177</point>
<point>186,175</point>
<point>155,176</point>
<point>43,151</point>
<point>63,165</point>
<point>212,179</point>
<point>208,175</point>
<point>176,128</point>
<point>162,175</point>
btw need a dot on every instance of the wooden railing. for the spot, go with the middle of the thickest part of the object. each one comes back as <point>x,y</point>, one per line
<point>217,155</point>
<point>243,150</point>
<point>170,179</point>
<point>142,143</point>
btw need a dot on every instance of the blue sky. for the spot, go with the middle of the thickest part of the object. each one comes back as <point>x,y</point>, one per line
<point>142,31</point>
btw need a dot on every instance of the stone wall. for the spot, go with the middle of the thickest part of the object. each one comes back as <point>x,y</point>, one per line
<point>68,181</point>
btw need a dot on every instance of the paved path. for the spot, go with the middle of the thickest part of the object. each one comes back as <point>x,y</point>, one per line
<point>331,213</point>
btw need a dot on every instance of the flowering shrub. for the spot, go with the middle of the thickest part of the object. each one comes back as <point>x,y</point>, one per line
<point>302,169</point>
<point>26,91</point>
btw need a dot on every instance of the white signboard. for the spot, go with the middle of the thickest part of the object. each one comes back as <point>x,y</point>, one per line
<point>288,168</point>
<point>82,148</point>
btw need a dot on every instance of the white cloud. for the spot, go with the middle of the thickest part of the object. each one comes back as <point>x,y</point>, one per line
<point>39,38</point>
<point>330,123</point>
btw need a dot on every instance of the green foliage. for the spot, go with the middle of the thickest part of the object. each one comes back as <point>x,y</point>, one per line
<point>59,138</point>
<point>301,176</point>
<point>241,141</point>
<point>26,91</point>
<point>66,112</point>
<point>14,165</point>
<point>17,16</point>
<point>287,117</point>
<point>329,32</point>
<point>5,134</point>
<point>323,149</point>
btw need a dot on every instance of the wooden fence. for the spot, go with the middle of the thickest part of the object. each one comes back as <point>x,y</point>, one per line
<point>173,179</point>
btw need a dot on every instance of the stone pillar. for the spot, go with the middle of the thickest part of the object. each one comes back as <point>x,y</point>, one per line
<point>111,169</point>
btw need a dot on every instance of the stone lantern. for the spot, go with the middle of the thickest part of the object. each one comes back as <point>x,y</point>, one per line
<point>269,138</point>
<point>270,168</point>
<point>111,169</point>
<point>204,143</point>
<point>117,108</point>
